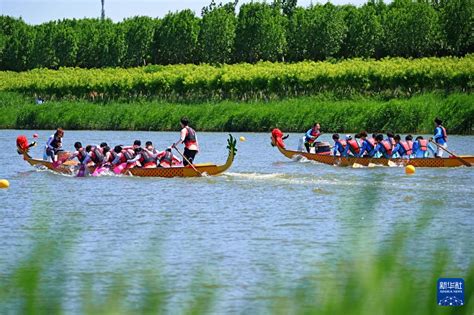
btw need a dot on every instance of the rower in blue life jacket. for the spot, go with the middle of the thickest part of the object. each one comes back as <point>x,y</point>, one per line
<point>401,148</point>
<point>339,146</point>
<point>367,147</point>
<point>383,147</point>
<point>420,147</point>
<point>440,137</point>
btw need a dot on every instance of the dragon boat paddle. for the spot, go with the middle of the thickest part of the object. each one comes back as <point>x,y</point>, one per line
<point>185,158</point>
<point>452,154</point>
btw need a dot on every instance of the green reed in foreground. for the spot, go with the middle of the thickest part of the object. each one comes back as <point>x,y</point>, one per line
<point>411,115</point>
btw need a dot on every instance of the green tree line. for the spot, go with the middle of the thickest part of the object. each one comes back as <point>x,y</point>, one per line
<point>277,31</point>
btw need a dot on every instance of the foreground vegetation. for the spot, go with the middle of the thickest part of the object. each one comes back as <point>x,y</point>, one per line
<point>381,279</point>
<point>396,77</point>
<point>274,31</point>
<point>401,115</point>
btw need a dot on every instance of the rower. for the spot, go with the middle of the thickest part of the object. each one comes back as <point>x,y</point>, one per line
<point>440,137</point>
<point>352,147</point>
<point>311,136</point>
<point>339,146</point>
<point>80,154</point>
<point>409,142</point>
<point>420,147</point>
<point>367,146</point>
<point>383,147</point>
<point>167,159</point>
<point>401,148</point>
<point>53,146</point>
<point>390,137</point>
<point>96,155</point>
<point>146,156</point>
<point>189,138</point>
<point>109,155</point>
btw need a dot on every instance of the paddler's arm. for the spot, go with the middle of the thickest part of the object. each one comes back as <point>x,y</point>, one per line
<point>181,139</point>
<point>135,159</point>
<point>116,160</point>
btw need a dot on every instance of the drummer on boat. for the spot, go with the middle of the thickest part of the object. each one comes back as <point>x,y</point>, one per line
<point>53,146</point>
<point>189,138</point>
<point>311,136</point>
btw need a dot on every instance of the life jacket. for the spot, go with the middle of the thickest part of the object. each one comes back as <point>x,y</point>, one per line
<point>343,144</point>
<point>126,155</point>
<point>408,147</point>
<point>423,144</point>
<point>56,142</point>
<point>96,155</point>
<point>81,156</point>
<point>112,156</point>
<point>190,138</point>
<point>167,158</point>
<point>353,146</point>
<point>314,133</point>
<point>147,159</point>
<point>387,146</point>
<point>371,141</point>
<point>443,131</point>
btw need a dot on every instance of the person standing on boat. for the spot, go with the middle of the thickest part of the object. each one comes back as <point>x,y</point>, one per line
<point>189,138</point>
<point>367,146</point>
<point>53,146</point>
<point>440,137</point>
<point>311,136</point>
<point>339,146</point>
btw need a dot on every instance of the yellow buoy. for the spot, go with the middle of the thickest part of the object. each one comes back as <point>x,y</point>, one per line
<point>242,138</point>
<point>4,183</point>
<point>410,170</point>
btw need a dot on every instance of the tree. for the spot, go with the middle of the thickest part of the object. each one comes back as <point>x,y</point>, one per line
<point>176,38</point>
<point>297,35</point>
<point>458,24</point>
<point>65,44</point>
<point>260,33</point>
<point>138,32</point>
<point>18,46</point>
<point>217,33</point>
<point>364,31</point>
<point>327,30</point>
<point>410,29</point>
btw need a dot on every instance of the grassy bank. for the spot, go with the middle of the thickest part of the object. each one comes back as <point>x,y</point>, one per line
<point>415,114</point>
<point>393,78</point>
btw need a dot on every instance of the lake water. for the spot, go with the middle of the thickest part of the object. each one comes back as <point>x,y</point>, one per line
<point>268,219</point>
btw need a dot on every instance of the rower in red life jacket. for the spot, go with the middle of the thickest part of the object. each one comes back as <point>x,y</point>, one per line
<point>109,155</point>
<point>147,157</point>
<point>80,154</point>
<point>167,159</point>
<point>339,146</point>
<point>123,155</point>
<point>311,136</point>
<point>409,141</point>
<point>352,147</point>
<point>383,147</point>
<point>390,136</point>
<point>367,147</point>
<point>420,147</point>
<point>401,148</point>
<point>440,137</point>
<point>189,138</point>
<point>95,154</point>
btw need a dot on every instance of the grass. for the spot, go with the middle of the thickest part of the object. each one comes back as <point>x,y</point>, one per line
<point>410,115</point>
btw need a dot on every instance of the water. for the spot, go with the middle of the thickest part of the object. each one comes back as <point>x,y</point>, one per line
<point>267,220</point>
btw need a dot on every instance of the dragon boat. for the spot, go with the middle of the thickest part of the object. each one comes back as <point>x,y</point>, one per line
<point>207,169</point>
<point>322,155</point>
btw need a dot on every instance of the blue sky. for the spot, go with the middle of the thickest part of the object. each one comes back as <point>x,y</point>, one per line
<point>38,11</point>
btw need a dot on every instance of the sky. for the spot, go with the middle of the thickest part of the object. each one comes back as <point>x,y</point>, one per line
<point>39,11</point>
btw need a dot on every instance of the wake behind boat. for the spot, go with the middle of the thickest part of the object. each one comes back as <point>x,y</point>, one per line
<point>322,156</point>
